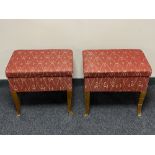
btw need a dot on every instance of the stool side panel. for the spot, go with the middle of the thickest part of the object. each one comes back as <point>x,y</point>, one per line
<point>116,84</point>
<point>39,84</point>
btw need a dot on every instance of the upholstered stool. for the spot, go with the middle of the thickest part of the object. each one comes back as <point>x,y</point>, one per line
<point>117,70</point>
<point>40,70</point>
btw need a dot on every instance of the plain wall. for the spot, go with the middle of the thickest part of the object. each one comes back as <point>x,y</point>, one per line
<point>76,35</point>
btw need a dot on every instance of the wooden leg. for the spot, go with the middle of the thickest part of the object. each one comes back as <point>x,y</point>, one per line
<point>69,102</point>
<point>140,103</point>
<point>87,103</point>
<point>16,101</point>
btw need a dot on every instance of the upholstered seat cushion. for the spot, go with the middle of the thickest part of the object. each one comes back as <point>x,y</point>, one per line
<point>40,63</point>
<point>115,63</point>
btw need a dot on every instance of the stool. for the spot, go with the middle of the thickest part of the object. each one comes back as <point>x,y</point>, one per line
<point>40,71</point>
<point>115,70</point>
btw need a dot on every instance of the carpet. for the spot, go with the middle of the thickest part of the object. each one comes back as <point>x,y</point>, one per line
<point>46,113</point>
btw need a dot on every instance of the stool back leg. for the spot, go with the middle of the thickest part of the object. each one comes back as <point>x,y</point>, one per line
<point>69,102</point>
<point>87,103</point>
<point>16,101</point>
<point>140,103</point>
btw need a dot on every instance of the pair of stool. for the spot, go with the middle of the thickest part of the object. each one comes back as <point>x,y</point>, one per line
<point>117,70</point>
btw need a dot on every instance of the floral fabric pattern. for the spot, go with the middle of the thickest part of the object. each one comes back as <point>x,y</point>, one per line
<point>40,70</point>
<point>116,70</point>
<point>39,84</point>
<point>119,84</point>
<point>116,62</point>
<point>40,63</point>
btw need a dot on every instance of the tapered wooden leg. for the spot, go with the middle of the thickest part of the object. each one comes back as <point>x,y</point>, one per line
<point>16,101</point>
<point>140,103</point>
<point>87,103</point>
<point>69,102</point>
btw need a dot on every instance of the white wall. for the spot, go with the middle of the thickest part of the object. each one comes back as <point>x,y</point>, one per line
<point>76,35</point>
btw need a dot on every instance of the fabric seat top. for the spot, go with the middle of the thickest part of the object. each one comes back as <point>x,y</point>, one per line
<point>115,62</point>
<point>40,63</point>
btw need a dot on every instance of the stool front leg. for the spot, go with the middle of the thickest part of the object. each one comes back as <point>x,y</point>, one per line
<point>140,103</point>
<point>87,103</point>
<point>16,101</point>
<point>69,102</point>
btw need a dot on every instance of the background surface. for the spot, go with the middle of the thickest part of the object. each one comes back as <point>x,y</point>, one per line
<point>76,35</point>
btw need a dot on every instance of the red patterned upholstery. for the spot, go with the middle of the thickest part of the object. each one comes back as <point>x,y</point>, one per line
<point>40,84</point>
<point>116,70</point>
<point>40,70</point>
<point>40,63</point>
<point>119,84</point>
<point>119,62</point>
